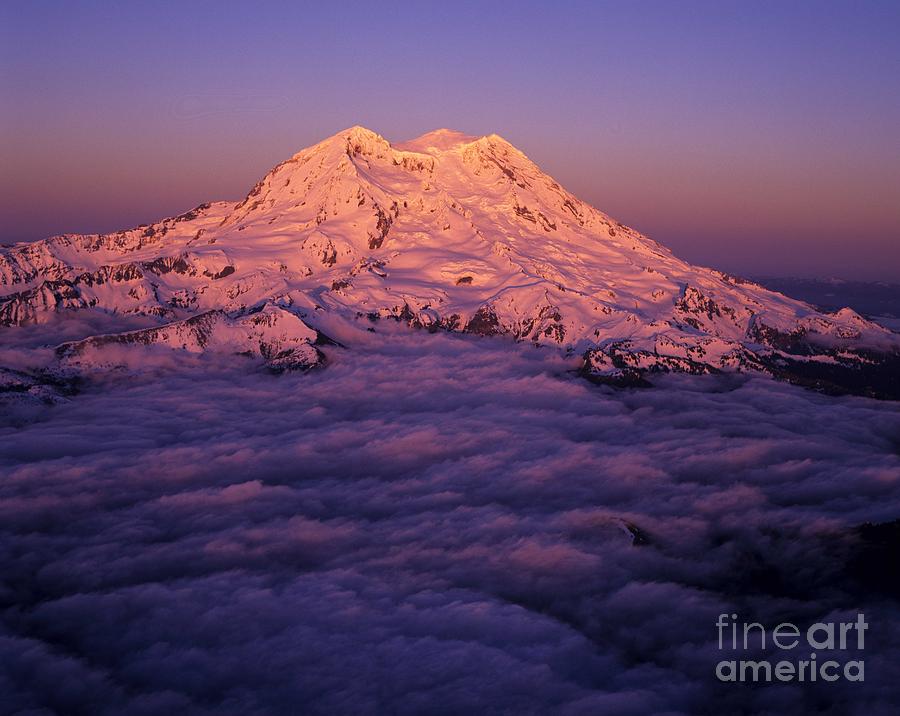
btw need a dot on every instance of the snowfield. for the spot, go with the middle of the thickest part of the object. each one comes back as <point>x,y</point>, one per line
<point>445,232</point>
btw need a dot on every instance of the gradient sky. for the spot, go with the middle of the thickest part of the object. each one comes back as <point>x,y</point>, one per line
<point>756,137</point>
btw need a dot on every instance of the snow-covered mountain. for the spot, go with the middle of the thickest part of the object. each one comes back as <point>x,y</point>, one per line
<point>444,232</point>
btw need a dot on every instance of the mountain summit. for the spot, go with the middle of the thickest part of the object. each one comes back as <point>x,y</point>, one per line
<point>446,231</point>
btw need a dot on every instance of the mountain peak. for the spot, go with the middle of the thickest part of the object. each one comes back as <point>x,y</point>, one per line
<point>362,140</point>
<point>358,132</point>
<point>445,231</point>
<point>357,139</point>
<point>438,140</point>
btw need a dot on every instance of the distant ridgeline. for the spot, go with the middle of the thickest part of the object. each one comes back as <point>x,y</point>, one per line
<point>871,298</point>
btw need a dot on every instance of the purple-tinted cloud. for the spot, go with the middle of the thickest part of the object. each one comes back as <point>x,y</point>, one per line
<point>430,524</point>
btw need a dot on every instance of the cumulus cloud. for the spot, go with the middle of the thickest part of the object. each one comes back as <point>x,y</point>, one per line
<point>431,524</point>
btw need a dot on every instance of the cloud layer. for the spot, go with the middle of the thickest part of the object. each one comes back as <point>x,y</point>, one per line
<point>431,524</point>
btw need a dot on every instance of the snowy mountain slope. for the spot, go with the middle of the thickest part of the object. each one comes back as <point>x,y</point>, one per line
<point>446,231</point>
<point>274,334</point>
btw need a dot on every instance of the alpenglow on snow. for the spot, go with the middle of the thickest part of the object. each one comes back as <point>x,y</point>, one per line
<point>445,232</point>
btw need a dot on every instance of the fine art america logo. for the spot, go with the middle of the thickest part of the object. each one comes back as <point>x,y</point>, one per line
<point>801,654</point>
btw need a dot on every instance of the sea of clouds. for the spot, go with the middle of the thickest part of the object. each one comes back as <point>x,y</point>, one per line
<point>432,524</point>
